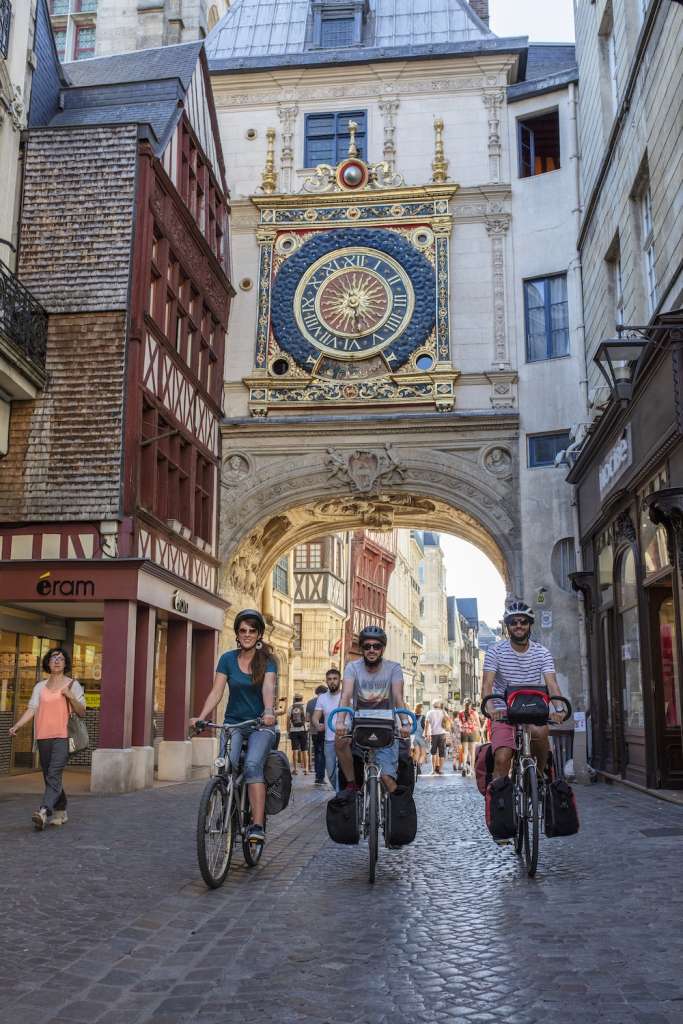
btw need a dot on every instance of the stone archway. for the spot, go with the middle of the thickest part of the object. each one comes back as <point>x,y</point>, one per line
<point>289,480</point>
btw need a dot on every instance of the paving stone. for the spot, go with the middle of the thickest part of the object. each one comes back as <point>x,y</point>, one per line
<point>297,938</point>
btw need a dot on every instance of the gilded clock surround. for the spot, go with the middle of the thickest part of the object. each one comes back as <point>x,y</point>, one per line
<point>353,290</point>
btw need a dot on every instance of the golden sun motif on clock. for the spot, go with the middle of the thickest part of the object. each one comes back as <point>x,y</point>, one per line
<point>352,303</point>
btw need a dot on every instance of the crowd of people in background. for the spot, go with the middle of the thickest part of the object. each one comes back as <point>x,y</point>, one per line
<point>445,735</point>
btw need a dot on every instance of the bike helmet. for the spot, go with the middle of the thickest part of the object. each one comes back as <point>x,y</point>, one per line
<point>372,633</point>
<point>250,613</point>
<point>518,608</point>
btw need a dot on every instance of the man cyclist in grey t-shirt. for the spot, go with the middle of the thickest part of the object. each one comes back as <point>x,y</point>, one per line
<point>370,683</point>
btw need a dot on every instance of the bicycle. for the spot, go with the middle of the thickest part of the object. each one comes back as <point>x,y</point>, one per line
<point>371,730</point>
<point>529,797</point>
<point>224,812</point>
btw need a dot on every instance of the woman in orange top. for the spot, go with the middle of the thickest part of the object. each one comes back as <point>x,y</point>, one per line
<point>52,701</point>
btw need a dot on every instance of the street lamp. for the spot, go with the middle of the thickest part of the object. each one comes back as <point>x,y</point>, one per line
<point>618,362</point>
<point>414,658</point>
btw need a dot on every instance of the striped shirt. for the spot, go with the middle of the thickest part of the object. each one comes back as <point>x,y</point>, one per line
<point>513,668</point>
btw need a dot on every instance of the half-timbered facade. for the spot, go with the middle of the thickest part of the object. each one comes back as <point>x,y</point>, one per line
<point>112,471</point>
<point>372,563</point>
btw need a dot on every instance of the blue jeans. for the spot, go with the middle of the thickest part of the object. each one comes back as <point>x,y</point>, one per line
<point>331,764</point>
<point>260,742</point>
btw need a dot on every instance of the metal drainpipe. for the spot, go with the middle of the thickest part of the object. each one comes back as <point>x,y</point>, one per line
<point>580,744</point>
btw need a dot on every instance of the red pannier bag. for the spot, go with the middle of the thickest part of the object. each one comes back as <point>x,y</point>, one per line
<point>483,767</point>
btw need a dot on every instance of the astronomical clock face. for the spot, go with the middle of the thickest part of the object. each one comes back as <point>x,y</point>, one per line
<point>353,302</point>
<point>351,295</point>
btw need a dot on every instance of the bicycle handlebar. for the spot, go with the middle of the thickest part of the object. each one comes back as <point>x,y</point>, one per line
<point>350,711</point>
<point>200,724</point>
<point>498,696</point>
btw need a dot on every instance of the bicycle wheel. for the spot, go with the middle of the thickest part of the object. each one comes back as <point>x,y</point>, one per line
<point>532,820</point>
<point>215,831</point>
<point>373,826</point>
<point>519,804</point>
<point>252,851</point>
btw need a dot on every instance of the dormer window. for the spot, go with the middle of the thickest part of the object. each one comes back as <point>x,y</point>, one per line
<point>337,24</point>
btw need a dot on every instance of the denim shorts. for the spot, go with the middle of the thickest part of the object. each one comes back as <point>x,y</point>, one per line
<point>385,757</point>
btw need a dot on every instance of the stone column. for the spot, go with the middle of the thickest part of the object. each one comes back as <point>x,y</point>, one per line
<point>112,762</point>
<point>493,101</point>
<point>497,227</point>
<point>388,110</point>
<point>143,697</point>
<point>288,115</point>
<point>204,646</point>
<point>175,750</point>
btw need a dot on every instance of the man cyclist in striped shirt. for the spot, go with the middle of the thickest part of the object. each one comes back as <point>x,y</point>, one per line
<point>516,660</point>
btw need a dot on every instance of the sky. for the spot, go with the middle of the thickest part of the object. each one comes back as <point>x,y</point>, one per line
<point>544,21</point>
<point>469,573</point>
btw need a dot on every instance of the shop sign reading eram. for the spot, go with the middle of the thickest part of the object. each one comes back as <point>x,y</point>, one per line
<point>618,459</point>
<point>180,604</point>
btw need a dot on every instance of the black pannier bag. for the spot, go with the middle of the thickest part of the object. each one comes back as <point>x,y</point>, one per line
<point>373,728</point>
<point>401,824</point>
<point>500,808</point>
<point>278,779</point>
<point>561,815</point>
<point>527,705</point>
<point>405,776</point>
<point>343,825</point>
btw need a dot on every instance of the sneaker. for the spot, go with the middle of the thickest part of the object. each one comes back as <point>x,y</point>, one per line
<point>463,772</point>
<point>319,782</point>
<point>502,842</point>
<point>39,819</point>
<point>256,834</point>
<point>59,818</point>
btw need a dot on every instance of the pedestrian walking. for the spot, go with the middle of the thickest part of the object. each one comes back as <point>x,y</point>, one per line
<point>420,745</point>
<point>470,732</point>
<point>316,733</point>
<point>456,741</point>
<point>52,701</point>
<point>436,732</point>
<point>327,702</point>
<point>298,735</point>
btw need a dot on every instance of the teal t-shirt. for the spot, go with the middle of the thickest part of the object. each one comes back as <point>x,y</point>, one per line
<point>245,700</point>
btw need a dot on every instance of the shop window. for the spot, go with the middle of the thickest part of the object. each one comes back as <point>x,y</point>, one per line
<point>160,647</point>
<point>653,539</point>
<point>539,144</point>
<point>605,569</point>
<point>327,137</point>
<point>297,625</point>
<point>667,657</point>
<point>543,448</point>
<point>629,653</point>
<point>546,318</point>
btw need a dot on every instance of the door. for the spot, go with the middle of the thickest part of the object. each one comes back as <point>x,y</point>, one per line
<point>612,730</point>
<point>21,670</point>
<point>664,641</point>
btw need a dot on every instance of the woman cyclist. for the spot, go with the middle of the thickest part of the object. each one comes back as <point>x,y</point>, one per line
<point>250,672</point>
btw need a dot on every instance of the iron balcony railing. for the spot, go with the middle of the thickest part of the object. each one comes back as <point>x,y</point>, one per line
<point>22,320</point>
<point>5,22</point>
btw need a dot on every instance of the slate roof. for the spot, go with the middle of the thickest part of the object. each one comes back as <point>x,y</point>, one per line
<point>549,66</point>
<point>144,87</point>
<point>468,607</point>
<point>430,540</point>
<point>260,34</point>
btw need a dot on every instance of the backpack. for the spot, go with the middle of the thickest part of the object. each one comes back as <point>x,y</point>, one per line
<point>400,827</point>
<point>278,778</point>
<point>483,767</point>
<point>343,818</point>
<point>561,815</point>
<point>297,715</point>
<point>500,808</point>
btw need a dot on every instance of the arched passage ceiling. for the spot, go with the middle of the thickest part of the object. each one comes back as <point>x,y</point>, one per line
<point>251,563</point>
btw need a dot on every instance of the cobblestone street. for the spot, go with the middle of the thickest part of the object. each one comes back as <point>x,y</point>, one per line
<point>107,920</point>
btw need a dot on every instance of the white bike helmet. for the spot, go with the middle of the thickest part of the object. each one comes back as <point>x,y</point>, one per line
<point>516,608</point>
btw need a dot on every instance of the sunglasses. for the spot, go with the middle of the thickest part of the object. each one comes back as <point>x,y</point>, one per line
<point>519,622</point>
<point>373,647</point>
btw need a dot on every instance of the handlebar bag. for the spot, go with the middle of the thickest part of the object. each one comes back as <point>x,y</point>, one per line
<point>527,705</point>
<point>278,779</point>
<point>373,729</point>
<point>561,815</point>
<point>401,824</point>
<point>343,818</point>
